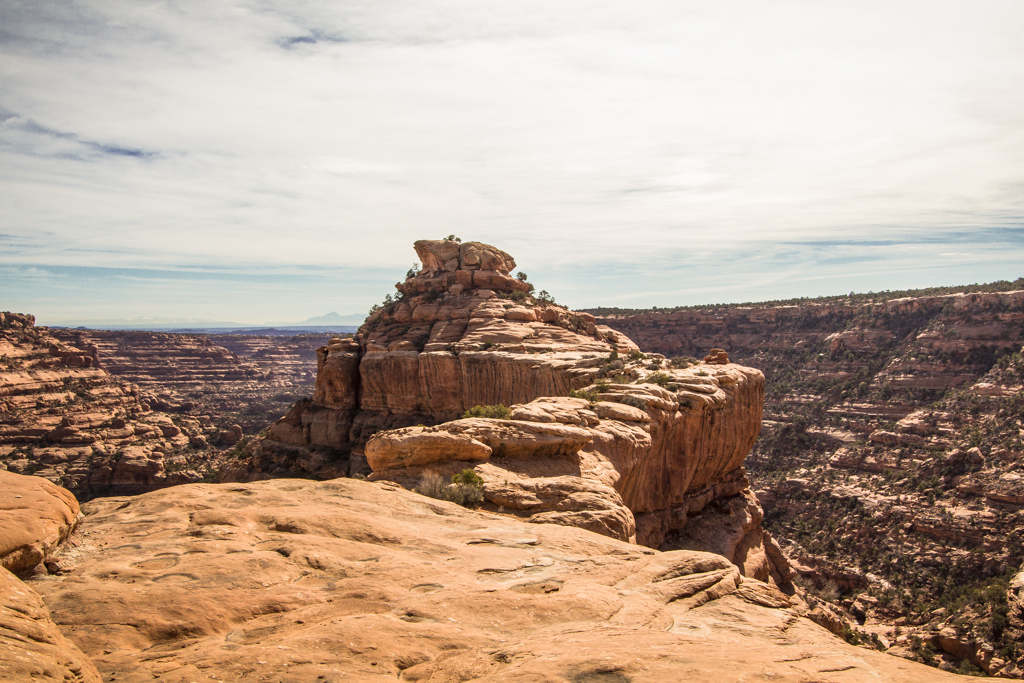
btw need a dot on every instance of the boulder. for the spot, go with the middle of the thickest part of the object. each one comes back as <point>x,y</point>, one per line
<point>31,646</point>
<point>35,517</point>
<point>414,446</point>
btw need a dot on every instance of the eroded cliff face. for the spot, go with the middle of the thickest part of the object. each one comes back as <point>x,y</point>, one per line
<point>638,462</point>
<point>462,332</point>
<point>891,463</point>
<point>600,435</point>
<point>65,418</point>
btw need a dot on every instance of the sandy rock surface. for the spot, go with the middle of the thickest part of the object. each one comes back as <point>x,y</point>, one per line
<point>344,580</point>
<point>35,517</point>
<point>31,646</point>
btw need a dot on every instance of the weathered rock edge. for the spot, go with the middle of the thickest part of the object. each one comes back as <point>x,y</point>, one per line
<point>461,333</point>
<point>349,580</point>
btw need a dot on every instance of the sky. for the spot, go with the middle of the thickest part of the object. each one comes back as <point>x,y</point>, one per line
<point>258,161</point>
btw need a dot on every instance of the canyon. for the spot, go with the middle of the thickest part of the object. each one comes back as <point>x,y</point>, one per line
<point>890,461</point>
<point>614,533</point>
<point>107,413</point>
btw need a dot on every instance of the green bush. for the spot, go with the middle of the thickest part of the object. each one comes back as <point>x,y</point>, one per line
<point>498,412</point>
<point>468,477</point>
<point>659,378</point>
<point>466,488</point>
<point>586,394</point>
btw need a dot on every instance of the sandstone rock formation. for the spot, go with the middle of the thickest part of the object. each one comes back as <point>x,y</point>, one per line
<point>890,465</point>
<point>291,580</point>
<point>638,450</point>
<point>635,461</point>
<point>462,332</point>
<point>35,517</point>
<point>63,417</point>
<point>31,646</point>
<point>228,378</point>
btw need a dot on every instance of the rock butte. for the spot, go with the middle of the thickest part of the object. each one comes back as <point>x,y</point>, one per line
<point>640,461</point>
<point>295,581</point>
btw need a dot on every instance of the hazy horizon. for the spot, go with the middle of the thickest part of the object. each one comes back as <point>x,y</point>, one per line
<point>256,161</point>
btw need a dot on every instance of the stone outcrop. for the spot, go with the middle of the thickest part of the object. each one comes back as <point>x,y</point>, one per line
<point>890,463</point>
<point>461,332</point>
<point>291,580</point>
<point>35,517</point>
<point>637,450</point>
<point>31,645</point>
<point>656,452</point>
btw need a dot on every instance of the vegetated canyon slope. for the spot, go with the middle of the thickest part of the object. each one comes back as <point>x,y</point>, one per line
<point>593,436</point>
<point>65,418</point>
<point>891,464</point>
<point>243,380</point>
<point>295,581</point>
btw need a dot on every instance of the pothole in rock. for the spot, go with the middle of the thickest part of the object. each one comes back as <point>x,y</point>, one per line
<point>600,676</point>
<point>175,578</point>
<point>157,564</point>
<point>426,588</point>
<point>539,587</point>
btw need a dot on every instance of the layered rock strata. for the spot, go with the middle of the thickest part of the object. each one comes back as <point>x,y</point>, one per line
<point>63,417</point>
<point>462,332</point>
<point>639,462</point>
<point>290,580</point>
<point>634,453</point>
<point>890,466</point>
<point>249,380</point>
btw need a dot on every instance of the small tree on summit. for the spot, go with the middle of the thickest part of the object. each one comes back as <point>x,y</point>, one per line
<point>451,238</point>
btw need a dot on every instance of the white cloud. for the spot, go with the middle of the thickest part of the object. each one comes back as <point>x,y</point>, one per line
<point>657,136</point>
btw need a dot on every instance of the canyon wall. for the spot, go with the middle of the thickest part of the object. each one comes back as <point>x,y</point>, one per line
<point>65,418</point>
<point>891,459</point>
<point>244,380</point>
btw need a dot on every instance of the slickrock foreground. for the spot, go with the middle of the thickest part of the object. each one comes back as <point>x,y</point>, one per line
<point>35,518</point>
<point>298,581</point>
